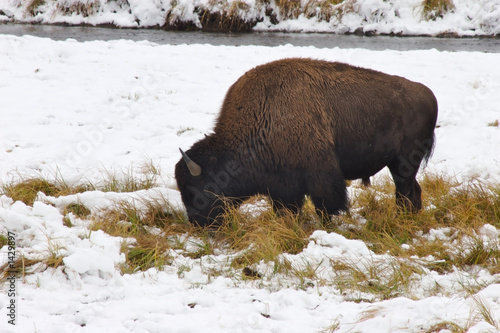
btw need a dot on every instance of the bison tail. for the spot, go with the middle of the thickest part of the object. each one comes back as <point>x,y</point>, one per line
<point>429,149</point>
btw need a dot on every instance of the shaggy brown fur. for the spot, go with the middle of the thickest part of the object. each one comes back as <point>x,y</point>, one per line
<point>298,127</point>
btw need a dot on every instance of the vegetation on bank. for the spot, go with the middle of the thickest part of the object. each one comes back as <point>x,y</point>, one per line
<point>233,15</point>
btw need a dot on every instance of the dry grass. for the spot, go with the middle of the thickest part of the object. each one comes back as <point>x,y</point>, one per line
<point>455,212</point>
<point>215,16</point>
<point>67,7</point>
<point>322,10</point>
<point>289,9</point>
<point>77,209</point>
<point>146,176</point>
<point>151,229</point>
<point>20,268</point>
<point>222,16</point>
<point>26,189</point>
<point>156,230</point>
<point>85,8</point>
<point>31,6</point>
<point>237,15</point>
<point>452,229</point>
<point>265,236</point>
<point>232,16</point>
<point>326,10</point>
<point>433,9</point>
<point>481,312</point>
<point>446,326</point>
<point>495,123</point>
<point>484,312</point>
<point>381,279</point>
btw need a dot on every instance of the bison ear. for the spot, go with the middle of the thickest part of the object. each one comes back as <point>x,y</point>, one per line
<point>194,169</point>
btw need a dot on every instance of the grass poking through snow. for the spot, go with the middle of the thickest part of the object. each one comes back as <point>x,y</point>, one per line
<point>457,231</point>
<point>26,189</point>
<point>233,15</point>
<point>264,236</point>
<point>433,9</point>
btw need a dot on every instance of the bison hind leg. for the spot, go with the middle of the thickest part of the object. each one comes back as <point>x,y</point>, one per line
<point>408,191</point>
<point>412,202</point>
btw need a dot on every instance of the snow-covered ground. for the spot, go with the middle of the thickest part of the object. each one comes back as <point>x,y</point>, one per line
<point>405,17</point>
<point>71,110</point>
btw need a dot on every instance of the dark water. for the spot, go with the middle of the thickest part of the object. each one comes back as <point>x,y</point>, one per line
<point>255,38</point>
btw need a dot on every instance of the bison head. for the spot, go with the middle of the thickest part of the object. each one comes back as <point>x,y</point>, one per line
<point>205,179</point>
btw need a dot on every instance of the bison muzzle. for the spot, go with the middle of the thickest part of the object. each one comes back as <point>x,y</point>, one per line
<point>298,127</point>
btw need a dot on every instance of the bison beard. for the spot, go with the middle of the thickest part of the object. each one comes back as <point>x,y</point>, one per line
<point>298,127</point>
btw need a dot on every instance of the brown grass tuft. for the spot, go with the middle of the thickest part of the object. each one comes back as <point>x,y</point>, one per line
<point>325,10</point>
<point>31,6</point>
<point>84,8</point>
<point>495,123</point>
<point>27,190</point>
<point>433,9</point>
<point>455,230</point>
<point>265,236</point>
<point>448,228</point>
<point>20,268</point>
<point>289,9</point>
<point>150,229</point>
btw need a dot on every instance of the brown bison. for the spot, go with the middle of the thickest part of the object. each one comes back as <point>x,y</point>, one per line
<point>298,127</point>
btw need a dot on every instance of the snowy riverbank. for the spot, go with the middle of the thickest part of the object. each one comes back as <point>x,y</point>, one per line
<point>398,17</point>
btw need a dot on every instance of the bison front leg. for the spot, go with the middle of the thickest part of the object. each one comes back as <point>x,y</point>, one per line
<point>328,193</point>
<point>281,208</point>
<point>287,198</point>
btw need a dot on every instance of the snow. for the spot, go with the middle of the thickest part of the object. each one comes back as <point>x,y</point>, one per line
<point>77,108</point>
<point>466,18</point>
<point>72,110</point>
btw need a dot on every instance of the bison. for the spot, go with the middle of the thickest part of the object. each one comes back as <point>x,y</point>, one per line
<point>297,127</point>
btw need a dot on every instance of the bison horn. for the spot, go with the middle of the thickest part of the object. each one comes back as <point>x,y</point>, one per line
<point>194,168</point>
